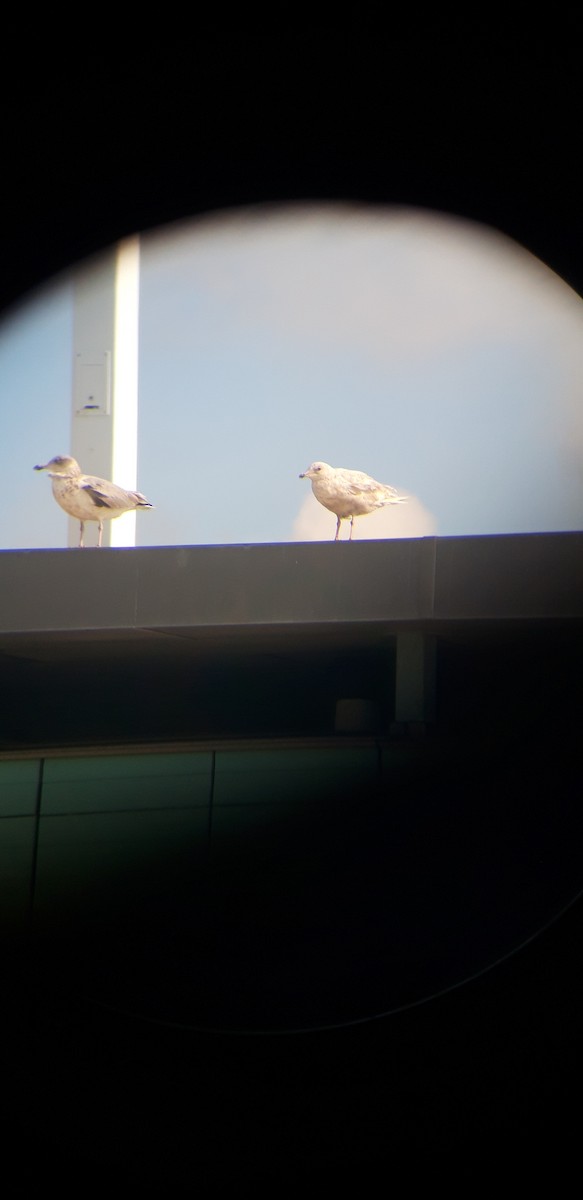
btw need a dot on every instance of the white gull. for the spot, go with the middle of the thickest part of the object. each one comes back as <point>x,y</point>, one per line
<point>348,493</point>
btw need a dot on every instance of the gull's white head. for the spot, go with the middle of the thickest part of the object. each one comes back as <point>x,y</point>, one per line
<point>316,468</point>
<point>62,464</point>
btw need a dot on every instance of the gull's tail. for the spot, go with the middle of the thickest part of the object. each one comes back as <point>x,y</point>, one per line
<point>140,500</point>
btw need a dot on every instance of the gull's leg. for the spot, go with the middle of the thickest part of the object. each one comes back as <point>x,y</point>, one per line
<point>337,528</point>
<point>351,524</point>
<point>81,528</point>
<point>100,533</point>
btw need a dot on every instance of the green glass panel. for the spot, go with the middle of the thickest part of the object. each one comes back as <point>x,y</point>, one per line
<point>95,862</point>
<point>18,787</point>
<point>16,851</point>
<point>104,783</point>
<point>292,776</point>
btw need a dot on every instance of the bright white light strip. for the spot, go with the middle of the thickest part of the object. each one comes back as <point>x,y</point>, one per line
<point>125,383</point>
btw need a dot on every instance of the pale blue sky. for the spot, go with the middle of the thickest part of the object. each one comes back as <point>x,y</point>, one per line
<point>437,356</point>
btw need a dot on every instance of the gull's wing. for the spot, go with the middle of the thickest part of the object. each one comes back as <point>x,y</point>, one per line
<point>105,495</point>
<point>358,483</point>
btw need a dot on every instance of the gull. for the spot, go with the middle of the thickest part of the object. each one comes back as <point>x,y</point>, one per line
<point>87,497</point>
<point>348,493</point>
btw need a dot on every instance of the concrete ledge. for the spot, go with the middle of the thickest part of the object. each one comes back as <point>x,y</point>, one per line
<point>317,584</point>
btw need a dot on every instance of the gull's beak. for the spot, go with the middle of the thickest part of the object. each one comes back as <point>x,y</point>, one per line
<point>302,476</point>
<point>41,468</point>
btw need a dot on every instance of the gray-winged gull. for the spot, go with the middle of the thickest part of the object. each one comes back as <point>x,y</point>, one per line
<point>348,493</point>
<point>87,497</point>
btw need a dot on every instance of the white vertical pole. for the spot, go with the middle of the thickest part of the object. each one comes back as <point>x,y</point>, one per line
<point>125,383</point>
<point>104,426</point>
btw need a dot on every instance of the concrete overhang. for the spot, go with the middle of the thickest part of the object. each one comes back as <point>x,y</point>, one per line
<point>190,632</point>
<point>196,589</point>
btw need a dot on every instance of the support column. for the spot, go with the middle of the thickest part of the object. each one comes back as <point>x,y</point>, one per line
<point>104,424</point>
<point>415,680</point>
